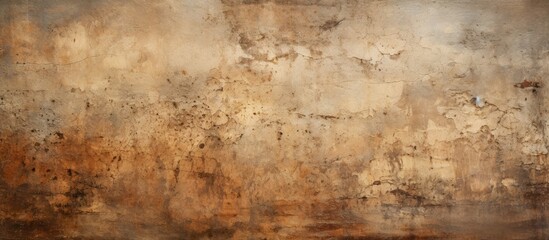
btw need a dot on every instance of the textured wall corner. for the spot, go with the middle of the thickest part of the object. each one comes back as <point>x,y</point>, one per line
<point>274,119</point>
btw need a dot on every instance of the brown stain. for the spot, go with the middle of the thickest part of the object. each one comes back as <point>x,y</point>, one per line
<point>528,84</point>
<point>82,175</point>
<point>26,193</point>
<point>85,164</point>
<point>330,24</point>
<point>407,199</point>
<point>14,158</point>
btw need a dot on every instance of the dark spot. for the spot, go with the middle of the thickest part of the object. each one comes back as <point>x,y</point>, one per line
<point>201,145</point>
<point>377,182</point>
<point>76,194</point>
<point>326,117</point>
<point>330,24</point>
<point>60,135</point>
<point>473,101</point>
<point>528,84</point>
<point>33,169</point>
<point>408,199</point>
<point>176,173</point>
<point>69,172</point>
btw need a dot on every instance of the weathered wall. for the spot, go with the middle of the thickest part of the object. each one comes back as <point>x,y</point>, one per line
<point>273,119</point>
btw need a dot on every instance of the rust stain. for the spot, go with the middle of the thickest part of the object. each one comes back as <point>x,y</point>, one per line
<point>528,84</point>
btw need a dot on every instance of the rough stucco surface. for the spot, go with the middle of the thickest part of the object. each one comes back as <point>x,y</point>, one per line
<point>274,119</point>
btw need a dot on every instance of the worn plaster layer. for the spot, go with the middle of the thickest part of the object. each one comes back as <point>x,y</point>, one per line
<point>276,119</point>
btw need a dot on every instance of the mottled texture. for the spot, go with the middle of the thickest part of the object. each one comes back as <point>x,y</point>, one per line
<point>274,119</point>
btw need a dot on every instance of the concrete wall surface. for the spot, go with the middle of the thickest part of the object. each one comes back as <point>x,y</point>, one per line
<point>274,119</point>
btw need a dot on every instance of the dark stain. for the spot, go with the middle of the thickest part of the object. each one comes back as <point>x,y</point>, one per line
<point>537,193</point>
<point>253,1</point>
<point>176,172</point>
<point>533,224</point>
<point>60,135</point>
<point>29,229</point>
<point>206,175</point>
<point>394,156</point>
<point>76,194</point>
<point>210,233</point>
<point>407,199</point>
<point>327,117</point>
<point>330,24</point>
<point>245,60</point>
<point>245,42</point>
<point>278,2</point>
<point>391,237</point>
<point>48,14</point>
<point>31,218</point>
<point>528,84</point>
<point>475,40</point>
<point>324,227</point>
